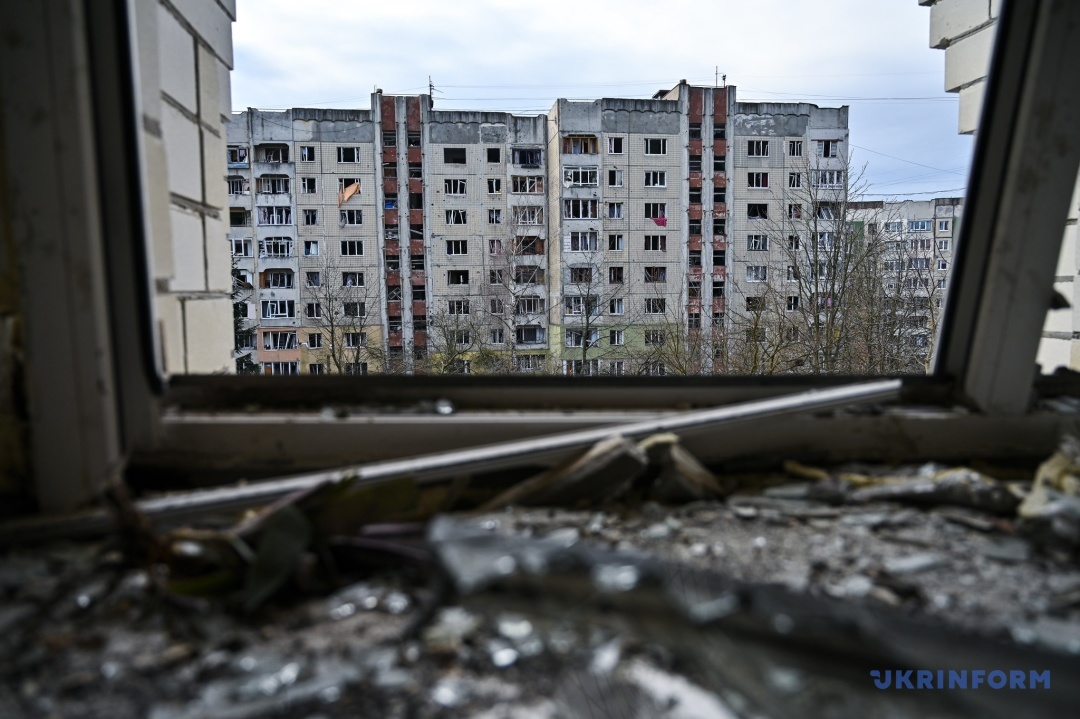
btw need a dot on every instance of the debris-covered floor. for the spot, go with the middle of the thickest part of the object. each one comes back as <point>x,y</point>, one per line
<point>777,600</point>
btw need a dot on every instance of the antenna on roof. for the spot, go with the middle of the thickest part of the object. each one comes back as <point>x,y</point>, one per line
<point>431,92</point>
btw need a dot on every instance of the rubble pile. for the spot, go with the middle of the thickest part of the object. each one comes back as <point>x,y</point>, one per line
<point>630,581</point>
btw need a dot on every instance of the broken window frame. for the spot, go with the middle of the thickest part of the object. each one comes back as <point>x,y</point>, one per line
<point>579,209</point>
<point>980,298</point>
<point>527,156</point>
<point>348,155</point>
<point>276,340</point>
<point>528,215</point>
<point>654,146</point>
<point>273,215</point>
<point>757,148</point>
<point>350,218</point>
<point>354,309</point>
<point>526,185</point>
<point>580,145</point>
<point>655,178</point>
<point>582,176</point>
<point>584,241</point>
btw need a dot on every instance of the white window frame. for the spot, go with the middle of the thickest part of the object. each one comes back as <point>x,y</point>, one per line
<point>274,215</point>
<point>343,152</point>
<point>526,185</point>
<point>277,309</point>
<point>351,247</point>
<point>584,241</point>
<point>586,176</point>
<point>828,148</point>
<point>757,273</point>
<point>350,218</point>
<point>578,209</point>
<point>243,244</point>
<point>528,215</point>
<point>617,145</point>
<point>277,340</point>
<point>355,309</point>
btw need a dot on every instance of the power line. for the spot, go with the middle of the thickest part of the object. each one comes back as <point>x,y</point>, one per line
<point>912,162</point>
<point>909,194</point>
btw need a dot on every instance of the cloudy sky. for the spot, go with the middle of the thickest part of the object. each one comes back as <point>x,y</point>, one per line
<point>504,55</point>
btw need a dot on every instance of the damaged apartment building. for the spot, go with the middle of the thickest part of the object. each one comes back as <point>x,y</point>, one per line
<point>596,239</point>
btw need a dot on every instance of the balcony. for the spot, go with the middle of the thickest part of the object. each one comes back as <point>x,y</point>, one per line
<point>272,168</point>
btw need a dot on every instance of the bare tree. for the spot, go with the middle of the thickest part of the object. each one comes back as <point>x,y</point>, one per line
<point>592,305</point>
<point>515,301</point>
<point>341,304</point>
<point>805,299</point>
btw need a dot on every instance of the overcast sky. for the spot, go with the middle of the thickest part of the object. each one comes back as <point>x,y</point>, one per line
<point>872,55</point>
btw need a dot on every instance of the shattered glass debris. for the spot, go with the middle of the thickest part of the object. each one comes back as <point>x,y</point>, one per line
<point>719,596</point>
